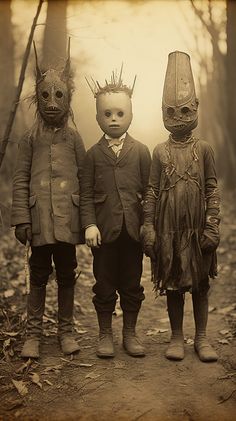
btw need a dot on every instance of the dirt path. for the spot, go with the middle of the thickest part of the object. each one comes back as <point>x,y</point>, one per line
<point>124,388</point>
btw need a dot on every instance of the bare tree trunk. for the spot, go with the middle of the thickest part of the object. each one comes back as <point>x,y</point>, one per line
<point>231,71</point>
<point>6,63</point>
<point>55,35</point>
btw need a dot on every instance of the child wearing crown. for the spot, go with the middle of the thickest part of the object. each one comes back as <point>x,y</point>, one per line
<point>115,176</point>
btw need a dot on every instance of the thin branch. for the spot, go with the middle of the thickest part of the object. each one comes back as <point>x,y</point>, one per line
<point>19,87</point>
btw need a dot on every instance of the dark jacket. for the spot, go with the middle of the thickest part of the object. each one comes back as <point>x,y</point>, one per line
<point>112,188</point>
<point>46,184</point>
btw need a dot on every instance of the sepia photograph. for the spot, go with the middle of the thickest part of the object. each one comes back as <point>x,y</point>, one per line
<point>117,210</point>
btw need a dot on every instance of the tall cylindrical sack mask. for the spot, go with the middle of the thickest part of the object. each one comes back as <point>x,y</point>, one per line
<point>179,102</point>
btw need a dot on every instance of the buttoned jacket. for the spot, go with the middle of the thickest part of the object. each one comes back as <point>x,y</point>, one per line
<point>112,188</point>
<point>46,184</point>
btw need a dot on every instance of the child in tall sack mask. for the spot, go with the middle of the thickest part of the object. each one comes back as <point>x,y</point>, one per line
<point>181,211</point>
<point>115,176</point>
<point>45,208</point>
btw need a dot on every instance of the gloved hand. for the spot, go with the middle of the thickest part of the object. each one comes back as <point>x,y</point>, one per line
<point>148,239</point>
<point>210,238</point>
<point>23,232</point>
<point>93,236</point>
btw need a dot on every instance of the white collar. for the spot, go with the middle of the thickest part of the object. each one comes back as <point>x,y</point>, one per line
<point>118,138</point>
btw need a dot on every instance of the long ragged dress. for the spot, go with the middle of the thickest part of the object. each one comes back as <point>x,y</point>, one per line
<point>182,190</point>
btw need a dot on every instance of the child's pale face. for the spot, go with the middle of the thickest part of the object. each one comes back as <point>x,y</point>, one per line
<point>114,113</point>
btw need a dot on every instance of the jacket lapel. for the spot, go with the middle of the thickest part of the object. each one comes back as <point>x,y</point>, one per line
<point>107,151</point>
<point>128,144</point>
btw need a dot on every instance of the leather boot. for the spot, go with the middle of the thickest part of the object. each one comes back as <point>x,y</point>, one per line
<point>175,307</point>
<point>35,311</point>
<point>105,348</point>
<point>65,320</point>
<point>131,343</point>
<point>202,347</point>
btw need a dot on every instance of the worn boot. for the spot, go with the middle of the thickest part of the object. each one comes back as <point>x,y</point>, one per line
<point>65,320</point>
<point>202,347</point>
<point>131,343</point>
<point>175,307</point>
<point>35,311</point>
<point>105,348</point>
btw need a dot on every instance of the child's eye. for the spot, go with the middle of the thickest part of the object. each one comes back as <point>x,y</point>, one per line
<point>170,111</point>
<point>107,113</point>
<point>185,110</point>
<point>45,94</point>
<point>120,113</point>
<point>59,94</point>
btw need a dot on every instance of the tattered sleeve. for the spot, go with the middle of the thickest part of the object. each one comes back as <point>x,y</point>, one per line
<point>87,210</point>
<point>212,196</point>
<point>153,189</point>
<point>21,184</point>
<point>80,153</point>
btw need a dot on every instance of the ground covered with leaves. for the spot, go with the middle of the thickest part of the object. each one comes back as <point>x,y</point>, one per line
<point>124,388</point>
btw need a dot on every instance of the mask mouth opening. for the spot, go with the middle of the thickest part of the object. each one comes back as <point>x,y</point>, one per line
<point>52,110</point>
<point>179,126</point>
<point>114,126</point>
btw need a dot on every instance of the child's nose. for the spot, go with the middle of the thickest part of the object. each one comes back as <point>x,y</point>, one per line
<point>113,117</point>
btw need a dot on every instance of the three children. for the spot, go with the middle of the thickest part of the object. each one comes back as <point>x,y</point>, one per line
<point>181,211</point>
<point>115,177</point>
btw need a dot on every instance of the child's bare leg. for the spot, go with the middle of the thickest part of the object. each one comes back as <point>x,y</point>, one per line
<point>200,308</point>
<point>175,307</point>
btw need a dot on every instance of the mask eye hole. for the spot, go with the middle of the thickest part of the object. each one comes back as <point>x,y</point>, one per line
<point>108,113</point>
<point>185,110</point>
<point>170,111</point>
<point>45,94</point>
<point>59,94</point>
<point>120,113</point>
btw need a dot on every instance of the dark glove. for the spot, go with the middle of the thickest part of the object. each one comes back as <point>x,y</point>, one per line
<point>23,232</point>
<point>148,239</point>
<point>210,238</point>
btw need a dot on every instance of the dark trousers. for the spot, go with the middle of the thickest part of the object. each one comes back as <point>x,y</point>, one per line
<point>64,258</point>
<point>117,266</point>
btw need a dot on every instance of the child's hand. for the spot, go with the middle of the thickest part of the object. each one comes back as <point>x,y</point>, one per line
<point>148,238</point>
<point>23,232</point>
<point>210,238</point>
<point>92,236</point>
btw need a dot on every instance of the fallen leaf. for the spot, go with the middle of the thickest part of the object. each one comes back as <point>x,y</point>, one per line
<point>20,386</point>
<point>223,341</point>
<point>189,341</point>
<point>12,334</point>
<point>224,331</point>
<point>55,368</point>
<point>92,375</point>
<point>211,309</point>
<point>80,331</point>
<point>85,365</point>
<point>9,293</point>
<point>227,309</point>
<point>152,332</point>
<point>48,382</point>
<point>36,379</point>
<point>24,366</point>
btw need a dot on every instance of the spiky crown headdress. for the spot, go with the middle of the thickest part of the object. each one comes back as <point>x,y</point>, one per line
<point>114,85</point>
